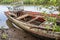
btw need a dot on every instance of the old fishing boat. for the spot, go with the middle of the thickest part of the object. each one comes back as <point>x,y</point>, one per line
<point>33,22</point>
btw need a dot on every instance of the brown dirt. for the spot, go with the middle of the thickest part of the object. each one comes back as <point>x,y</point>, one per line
<point>17,34</point>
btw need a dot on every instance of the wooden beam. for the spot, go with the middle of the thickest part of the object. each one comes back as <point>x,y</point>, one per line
<point>35,26</point>
<point>14,14</point>
<point>34,19</point>
<point>20,17</point>
<point>42,23</point>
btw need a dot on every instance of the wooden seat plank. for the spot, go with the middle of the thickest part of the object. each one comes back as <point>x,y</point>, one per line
<point>20,17</point>
<point>33,19</point>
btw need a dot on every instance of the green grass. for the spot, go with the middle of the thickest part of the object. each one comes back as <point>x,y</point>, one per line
<point>55,27</point>
<point>8,1</point>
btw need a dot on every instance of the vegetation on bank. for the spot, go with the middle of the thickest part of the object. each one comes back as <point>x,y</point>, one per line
<point>43,2</point>
<point>34,2</point>
<point>55,27</point>
<point>8,1</point>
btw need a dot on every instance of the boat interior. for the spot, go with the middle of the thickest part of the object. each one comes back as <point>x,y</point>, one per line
<point>28,17</point>
<point>35,21</point>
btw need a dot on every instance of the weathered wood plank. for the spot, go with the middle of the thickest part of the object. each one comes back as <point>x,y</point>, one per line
<point>20,17</point>
<point>33,19</point>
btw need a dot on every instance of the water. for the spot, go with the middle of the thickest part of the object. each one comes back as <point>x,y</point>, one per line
<point>3,18</point>
<point>41,9</point>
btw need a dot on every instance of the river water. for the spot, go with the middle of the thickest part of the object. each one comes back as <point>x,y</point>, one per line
<point>3,18</point>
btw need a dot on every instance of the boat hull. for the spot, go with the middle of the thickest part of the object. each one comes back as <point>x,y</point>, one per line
<point>27,28</point>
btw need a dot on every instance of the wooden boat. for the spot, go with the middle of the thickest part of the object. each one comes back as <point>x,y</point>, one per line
<point>32,23</point>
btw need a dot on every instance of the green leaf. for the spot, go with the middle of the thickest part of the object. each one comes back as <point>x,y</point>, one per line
<point>4,36</point>
<point>47,27</point>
